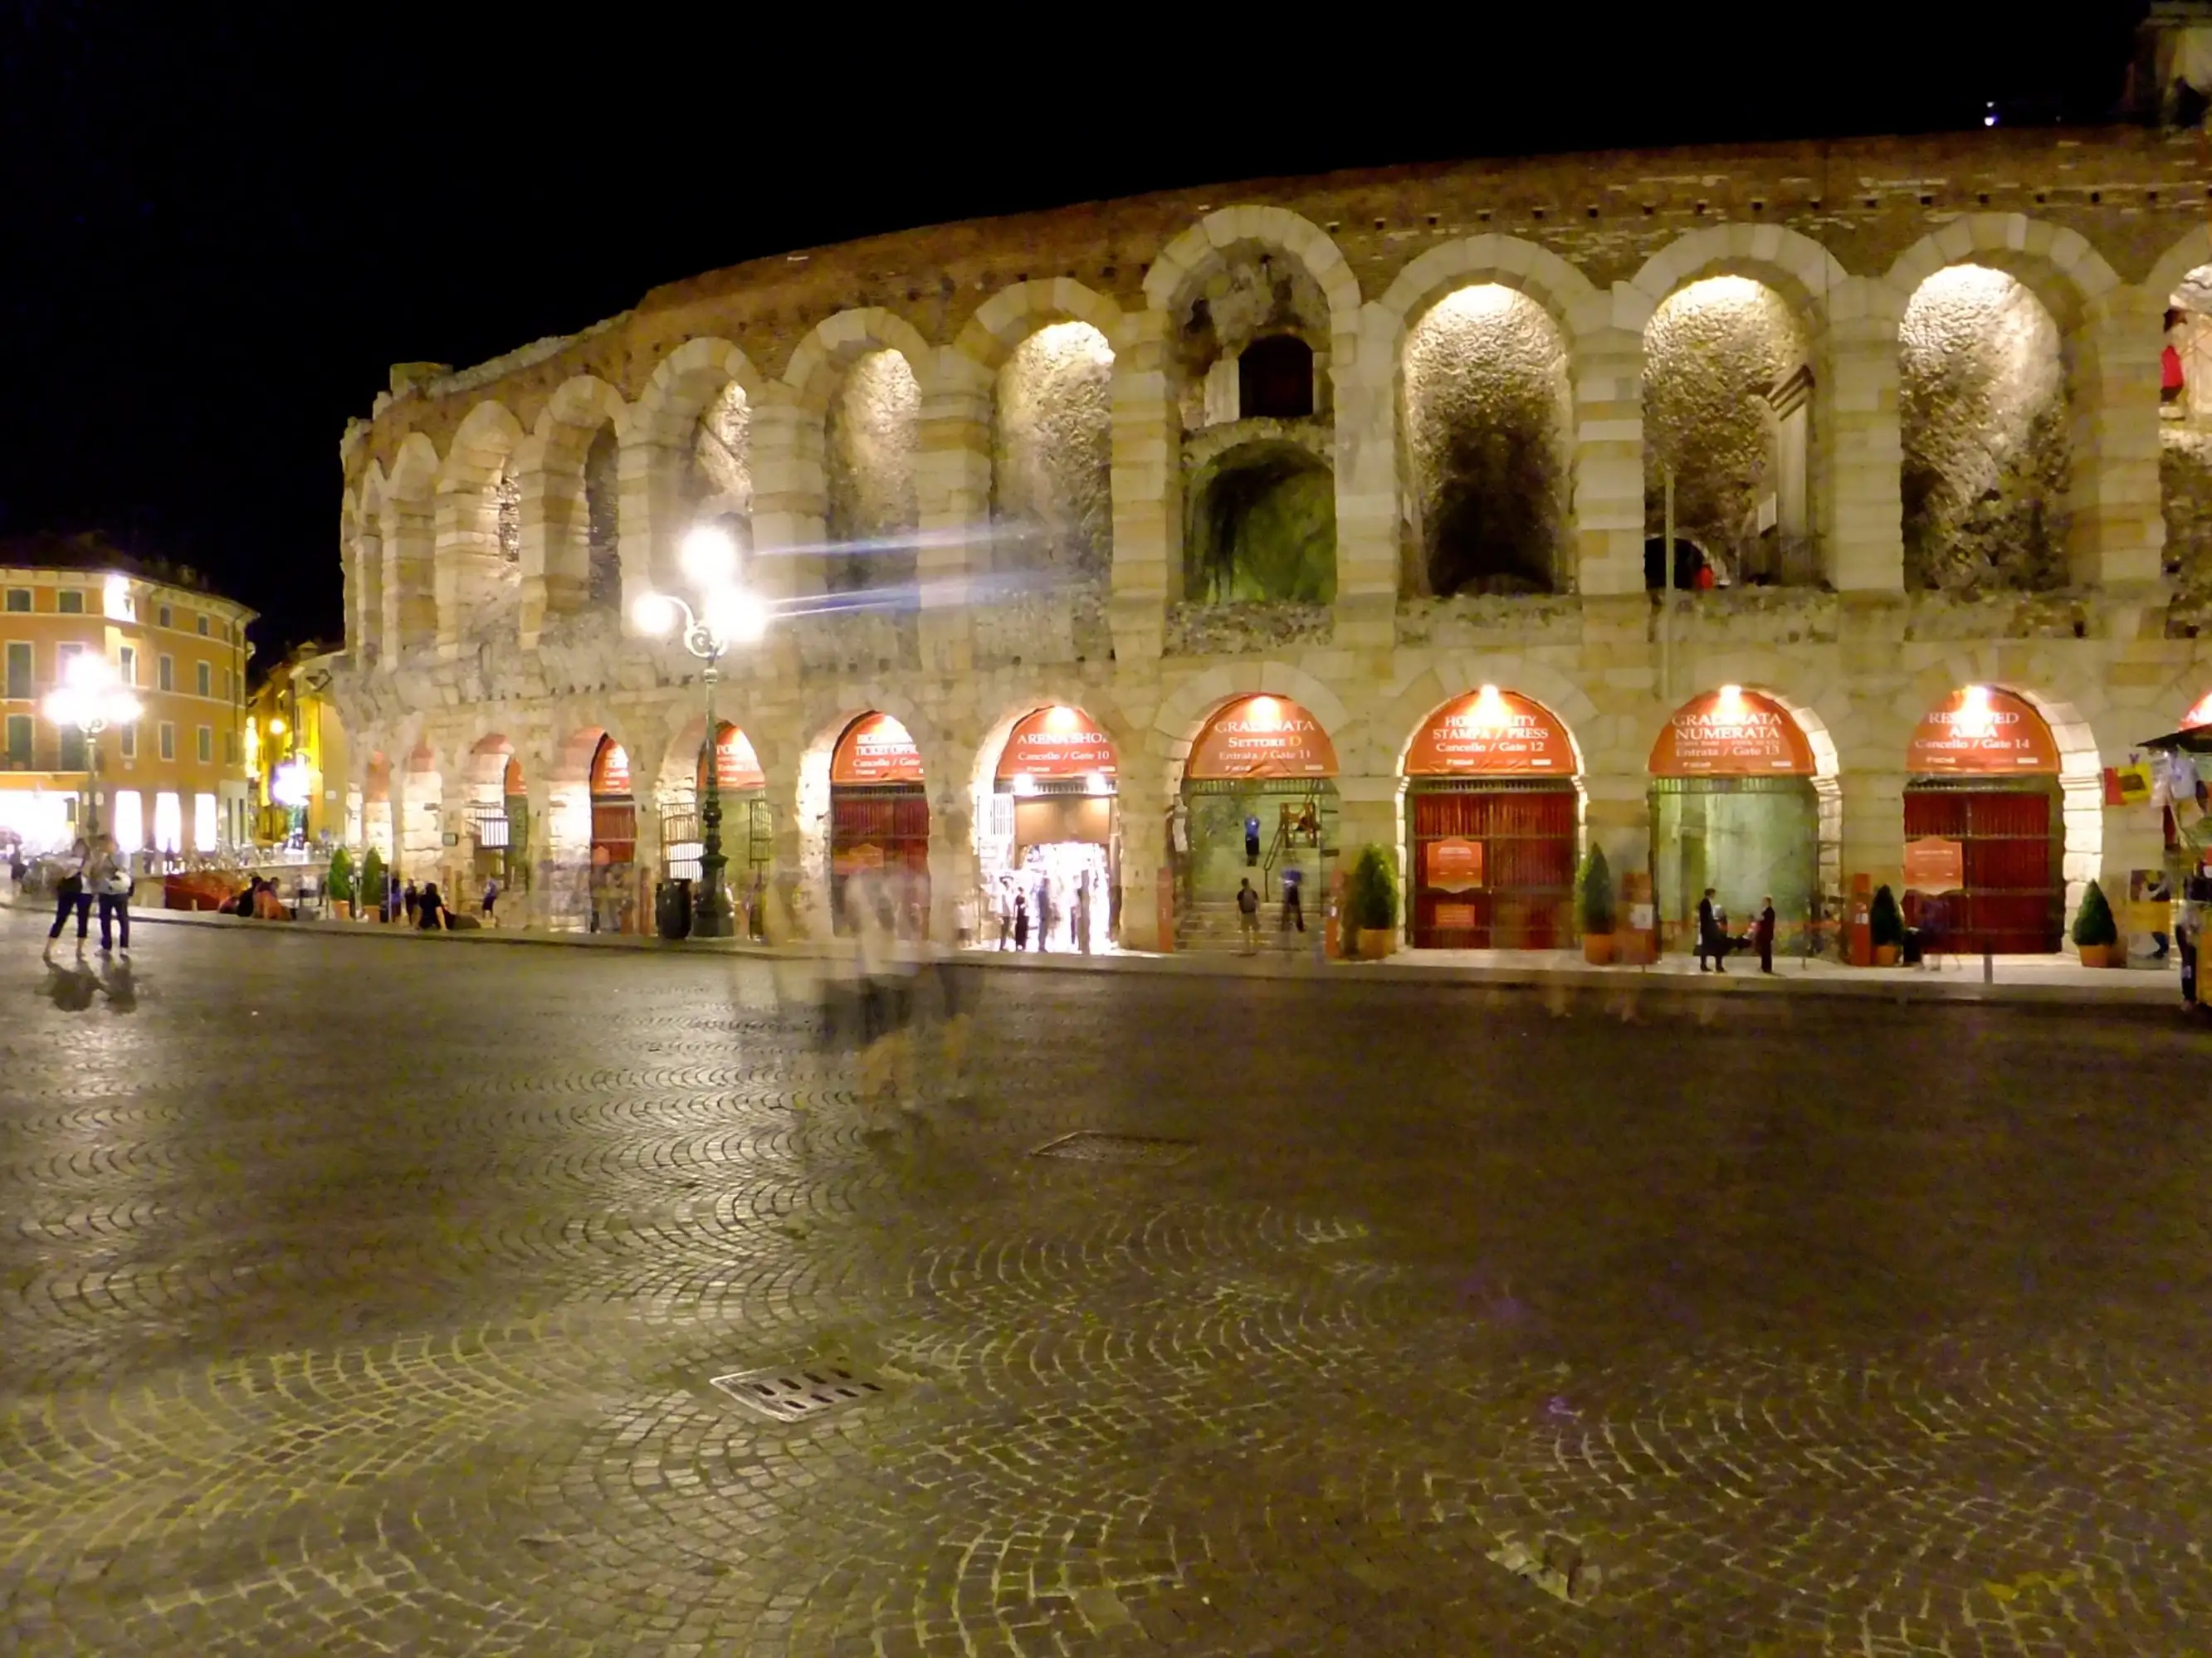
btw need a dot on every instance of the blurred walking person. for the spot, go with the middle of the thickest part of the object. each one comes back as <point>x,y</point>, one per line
<point>108,878</point>
<point>1762,933</point>
<point>70,895</point>
<point>1248,916</point>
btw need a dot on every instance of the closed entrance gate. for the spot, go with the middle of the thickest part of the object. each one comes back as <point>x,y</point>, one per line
<point>2014,897</point>
<point>1516,890</point>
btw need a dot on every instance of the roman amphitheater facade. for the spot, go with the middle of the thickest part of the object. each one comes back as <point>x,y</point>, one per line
<point>1364,445</point>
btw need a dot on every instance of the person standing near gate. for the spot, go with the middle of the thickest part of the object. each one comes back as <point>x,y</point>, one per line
<point>1710,941</point>
<point>490,897</point>
<point>1762,933</point>
<point>1021,922</point>
<point>1248,916</point>
<point>1294,911</point>
<point>1082,914</point>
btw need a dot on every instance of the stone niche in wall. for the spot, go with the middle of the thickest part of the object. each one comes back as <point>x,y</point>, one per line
<point>1052,434</point>
<point>872,437</point>
<point>1983,417</point>
<point>1487,451</point>
<point>1724,362</point>
<point>1260,515</point>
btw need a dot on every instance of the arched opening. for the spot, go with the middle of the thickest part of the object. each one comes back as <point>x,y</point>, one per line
<point>421,839</point>
<point>1258,805</point>
<point>722,474</point>
<point>1492,826</point>
<point>878,826</point>
<point>1275,379</point>
<point>1982,419</point>
<point>1728,410</point>
<point>748,833</point>
<point>1735,808</point>
<point>1052,453</point>
<point>1263,525</point>
<point>613,879</point>
<point>871,440</point>
<point>2184,470</point>
<point>499,817</point>
<point>1488,422</point>
<point>603,517</point>
<point>1983,781</point>
<point>1051,837</point>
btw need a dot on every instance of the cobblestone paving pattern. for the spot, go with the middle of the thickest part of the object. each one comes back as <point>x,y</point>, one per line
<point>365,1298</point>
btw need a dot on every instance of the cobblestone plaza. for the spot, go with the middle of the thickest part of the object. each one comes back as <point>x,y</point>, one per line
<point>368,1295</point>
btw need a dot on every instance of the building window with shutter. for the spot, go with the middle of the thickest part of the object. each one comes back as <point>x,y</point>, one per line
<point>168,737</point>
<point>206,680</point>
<point>165,676</point>
<point>207,744</point>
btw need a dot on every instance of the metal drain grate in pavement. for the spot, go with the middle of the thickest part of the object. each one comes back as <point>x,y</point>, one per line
<point>795,1394</point>
<point>1089,1145</point>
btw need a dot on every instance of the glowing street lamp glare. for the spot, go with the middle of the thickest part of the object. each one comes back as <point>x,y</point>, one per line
<point>709,556</point>
<point>737,615</point>
<point>654,613</point>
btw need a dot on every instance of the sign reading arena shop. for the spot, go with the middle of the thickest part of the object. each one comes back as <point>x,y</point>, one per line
<point>1261,737</point>
<point>1981,731</point>
<point>1732,732</point>
<point>1491,733</point>
<point>1056,743</point>
<point>875,749</point>
<point>736,766</point>
<point>610,768</point>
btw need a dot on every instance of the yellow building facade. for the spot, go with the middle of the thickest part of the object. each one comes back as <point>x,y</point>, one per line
<point>174,779</point>
<point>295,752</point>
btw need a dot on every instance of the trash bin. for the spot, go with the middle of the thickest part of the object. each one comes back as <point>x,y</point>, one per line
<point>1914,944</point>
<point>672,908</point>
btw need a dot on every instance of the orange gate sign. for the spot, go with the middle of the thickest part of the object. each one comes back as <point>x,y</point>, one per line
<point>1455,865</point>
<point>1935,865</point>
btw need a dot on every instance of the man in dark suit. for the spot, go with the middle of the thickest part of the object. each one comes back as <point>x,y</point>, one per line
<point>1710,941</point>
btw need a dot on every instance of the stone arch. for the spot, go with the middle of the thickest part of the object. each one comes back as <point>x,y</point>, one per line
<point>820,360</point>
<point>420,783</point>
<point>1203,248</point>
<point>828,719</point>
<point>683,383</point>
<point>690,446</point>
<point>571,508</point>
<point>2192,250</point>
<point>1788,261</point>
<point>1016,310</point>
<point>1397,724</point>
<point>858,380</point>
<point>1261,519</point>
<point>363,528</point>
<point>2057,266</point>
<point>410,541</point>
<point>1181,715</point>
<point>1470,261</point>
<point>479,523</point>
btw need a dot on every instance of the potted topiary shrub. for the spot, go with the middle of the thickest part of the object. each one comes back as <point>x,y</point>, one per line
<point>2096,935</point>
<point>340,886</point>
<point>1594,897</point>
<point>1886,927</point>
<point>1371,903</point>
<point>373,885</point>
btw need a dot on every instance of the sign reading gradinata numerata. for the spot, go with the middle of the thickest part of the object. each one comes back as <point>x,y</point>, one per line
<point>1056,743</point>
<point>610,768</point>
<point>1732,733</point>
<point>1982,729</point>
<point>1494,733</point>
<point>736,766</point>
<point>876,748</point>
<point>1261,737</point>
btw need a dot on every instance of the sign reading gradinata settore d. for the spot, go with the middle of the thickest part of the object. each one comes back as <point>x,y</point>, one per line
<point>1056,743</point>
<point>1261,737</point>
<point>875,749</point>
<point>1493,734</point>
<point>1981,730</point>
<point>1732,732</point>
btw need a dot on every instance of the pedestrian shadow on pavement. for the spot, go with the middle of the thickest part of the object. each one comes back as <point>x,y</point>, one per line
<point>73,987</point>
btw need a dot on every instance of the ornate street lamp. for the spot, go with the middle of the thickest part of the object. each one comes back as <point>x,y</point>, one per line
<point>727,615</point>
<point>91,699</point>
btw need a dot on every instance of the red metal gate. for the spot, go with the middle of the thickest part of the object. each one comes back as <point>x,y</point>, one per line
<point>2015,898</point>
<point>892,819</point>
<point>1527,834</point>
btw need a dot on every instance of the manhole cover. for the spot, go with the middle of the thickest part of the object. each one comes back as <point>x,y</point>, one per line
<point>792,1394</point>
<point>1089,1145</point>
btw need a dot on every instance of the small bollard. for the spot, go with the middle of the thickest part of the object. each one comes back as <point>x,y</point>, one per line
<point>1989,966</point>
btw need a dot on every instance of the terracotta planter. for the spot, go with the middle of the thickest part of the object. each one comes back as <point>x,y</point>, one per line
<point>1598,948</point>
<point>2101,955</point>
<point>342,908</point>
<point>1885,955</point>
<point>1377,942</point>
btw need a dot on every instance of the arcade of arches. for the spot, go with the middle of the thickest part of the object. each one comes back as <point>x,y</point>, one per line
<point>1275,531</point>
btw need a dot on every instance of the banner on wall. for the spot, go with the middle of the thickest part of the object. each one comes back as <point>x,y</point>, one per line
<point>609,768</point>
<point>1934,864</point>
<point>1055,744</point>
<point>1732,732</point>
<point>1261,737</point>
<point>2129,785</point>
<point>736,766</point>
<point>1981,731</point>
<point>1453,865</point>
<point>1490,733</point>
<point>875,749</point>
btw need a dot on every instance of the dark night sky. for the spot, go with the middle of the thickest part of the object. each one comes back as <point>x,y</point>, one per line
<point>219,224</point>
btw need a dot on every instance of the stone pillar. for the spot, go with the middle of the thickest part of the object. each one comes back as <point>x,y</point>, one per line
<point>2116,531</point>
<point>1367,813</point>
<point>365,594</point>
<point>1607,373</point>
<point>651,516</point>
<point>952,491</point>
<point>410,608</point>
<point>1873,831</point>
<point>952,857</point>
<point>539,853</point>
<point>1364,386</point>
<point>467,560</point>
<point>1857,451</point>
<point>1140,814</point>
<point>1147,488</point>
<point>1617,816</point>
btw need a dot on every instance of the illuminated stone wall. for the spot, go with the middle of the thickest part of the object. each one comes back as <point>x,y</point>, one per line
<point>1982,419</point>
<point>1257,291</point>
<point>1487,416</point>
<point>721,453</point>
<point>602,516</point>
<point>871,441</point>
<point>1711,352</point>
<point>1052,453</point>
<point>2185,490</point>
